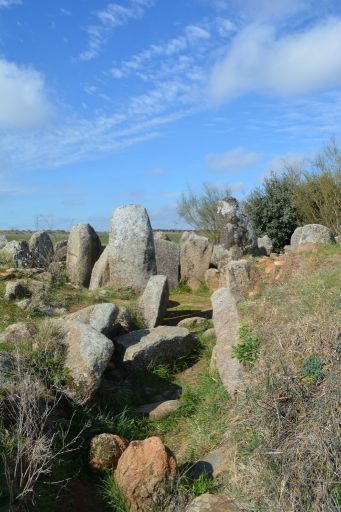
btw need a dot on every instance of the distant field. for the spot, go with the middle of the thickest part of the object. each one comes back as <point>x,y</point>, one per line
<point>63,235</point>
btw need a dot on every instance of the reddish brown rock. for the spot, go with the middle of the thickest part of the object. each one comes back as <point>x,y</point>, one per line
<point>105,451</point>
<point>144,472</point>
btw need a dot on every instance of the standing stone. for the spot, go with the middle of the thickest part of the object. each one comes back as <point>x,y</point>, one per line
<point>144,473</point>
<point>311,234</point>
<point>212,278</point>
<point>100,275</point>
<point>265,245</point>
<point>83,250</point>
<point>168,260</point>
<point>236,232</point>
<point>220,256</point>
<point>131,248</point>
<point>154,301</point>
<point>236,276</point>
<point>41,247</point>
<point>18,253</point>
<point>195,258</point>
<point>226,325</point>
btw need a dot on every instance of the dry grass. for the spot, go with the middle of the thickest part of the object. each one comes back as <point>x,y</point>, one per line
<point>285,430</point>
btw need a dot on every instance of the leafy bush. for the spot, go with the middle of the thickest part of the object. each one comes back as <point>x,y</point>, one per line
<point>271,209</point>
<point>247,350</point>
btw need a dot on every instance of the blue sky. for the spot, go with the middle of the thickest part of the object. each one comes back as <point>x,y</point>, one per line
<point>106,103</point>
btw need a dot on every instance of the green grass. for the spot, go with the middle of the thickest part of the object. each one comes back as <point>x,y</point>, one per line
<point>112,494</point>
<point>247,350</point>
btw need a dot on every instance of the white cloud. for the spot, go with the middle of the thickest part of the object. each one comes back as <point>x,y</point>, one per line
<point>113,16</point>
<point>261,61</point>
<point>9,3</point>
<point>234,160</point>
<point>23,100</point>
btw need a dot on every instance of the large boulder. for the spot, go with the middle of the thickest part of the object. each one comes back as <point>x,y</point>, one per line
<point>212,503</point>
<point>100,275</point>
<point>311,234</point>
<point>195,258</point>
<point>226,326</point>
<point>154,301</point>
<point>41,248</point>
<point>18,253</point>
<point>144,473</point>
<point>265,245</point>
<point>87,355</point>
<point>131,248</point>
<point>83,250</point>
<point>168,260</point>
<point>105,451</point>
<point>3,241</point>
<point>148,348</point>
<point>106,318</point>
<point>236,232</point>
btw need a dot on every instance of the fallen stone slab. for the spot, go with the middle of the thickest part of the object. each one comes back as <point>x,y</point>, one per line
<point>212,503</point>
<point>148,348</point>
<point>158,410</point>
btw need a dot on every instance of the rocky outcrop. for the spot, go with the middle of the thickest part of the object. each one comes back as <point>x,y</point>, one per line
<point>168,260</point>
<point>226,326</point>
<point>311,234</point>
<point>131,248</point>
<point>148,348</point>
<point>236,232</point>
<point>154,301</point>
<point>100,275</point>
<point>87,355</point>
<point>18,253</point>
<point>195,258</point>
<point>144,473</point>
<point>105,451</point>
<point>41,248</point>
<point>83,250</point>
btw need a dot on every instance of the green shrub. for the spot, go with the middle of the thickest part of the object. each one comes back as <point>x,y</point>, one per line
<point>271,209</point>
<point>313,369</point>
<point>247,350</point>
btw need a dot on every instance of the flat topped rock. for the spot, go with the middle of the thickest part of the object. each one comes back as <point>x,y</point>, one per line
<point>150,347</point>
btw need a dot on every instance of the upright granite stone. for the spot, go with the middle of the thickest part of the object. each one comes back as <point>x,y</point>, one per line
<point>100,275</point>
<point>195,258</point>
<point>236,276</point>
<point>41,248</point>
<point>220,256</point>
<point>265,245</point>
<point>236,232</point>
<point>226,325</point>
<point>83,250</point>
<point>311,234</point>
<point>131,248</point>
<point>168,260</point>
<point>154,301</point>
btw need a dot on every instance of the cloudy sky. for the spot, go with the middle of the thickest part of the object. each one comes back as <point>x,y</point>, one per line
<point>132,101</point>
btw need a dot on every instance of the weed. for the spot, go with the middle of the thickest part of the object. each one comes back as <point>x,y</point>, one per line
<point>313,369</point>
<point>247,350</point>
<point>113,495</point>
<point>182,288</point>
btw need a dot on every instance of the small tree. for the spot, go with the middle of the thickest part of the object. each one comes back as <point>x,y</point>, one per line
<point>271,209</point>
<point>317,189</point>
<point>200,210</point>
